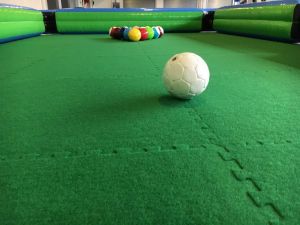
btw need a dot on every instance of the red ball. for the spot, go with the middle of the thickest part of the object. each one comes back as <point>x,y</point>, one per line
<point>116,33</point>
<point>144,33</point>
<point>110,30</point>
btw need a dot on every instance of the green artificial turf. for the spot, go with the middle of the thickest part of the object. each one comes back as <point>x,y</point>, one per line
<point>88,135</point>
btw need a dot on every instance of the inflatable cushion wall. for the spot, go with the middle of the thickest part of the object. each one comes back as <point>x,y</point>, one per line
<point>100,21</point>
<point>17,23</point>
<point>275,22</point>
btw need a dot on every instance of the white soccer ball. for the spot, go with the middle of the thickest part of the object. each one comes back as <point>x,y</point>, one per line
<point>186,75</point>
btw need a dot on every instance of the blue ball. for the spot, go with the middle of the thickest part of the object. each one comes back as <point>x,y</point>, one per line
<point>125,33</point>
<point>156,32</point>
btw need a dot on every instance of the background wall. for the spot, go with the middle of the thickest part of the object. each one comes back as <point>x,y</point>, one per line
<point>217,3</point>
<point>102,3</point>
<point>180,4</point>
<point>42,4</point>
<point>36,4</point>
<point>139,3</point>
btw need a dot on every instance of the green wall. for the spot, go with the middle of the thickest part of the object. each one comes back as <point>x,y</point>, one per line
<point>264,21</point>
<point>17,21</point>
<point>100,22</point>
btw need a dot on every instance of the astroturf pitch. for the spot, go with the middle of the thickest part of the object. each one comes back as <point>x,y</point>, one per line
<point>88,134</point>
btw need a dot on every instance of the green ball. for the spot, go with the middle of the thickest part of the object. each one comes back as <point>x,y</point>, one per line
<point>150,32</point>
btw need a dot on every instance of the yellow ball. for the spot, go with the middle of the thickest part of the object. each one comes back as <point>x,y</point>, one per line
<point>134,34</point>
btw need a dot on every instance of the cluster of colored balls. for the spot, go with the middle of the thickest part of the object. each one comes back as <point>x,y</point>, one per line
<point>136,33</point>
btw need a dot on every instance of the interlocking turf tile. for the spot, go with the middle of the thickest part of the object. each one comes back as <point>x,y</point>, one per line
<point>254,97</point>
<point>170,186</point>
<point>272,171</point>
<point>71,134</point>
<point>106,103</point>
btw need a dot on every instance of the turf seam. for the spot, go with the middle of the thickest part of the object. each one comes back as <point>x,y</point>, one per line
<point>240,174</point>
<point>157,68</point>
<point>113,152</point>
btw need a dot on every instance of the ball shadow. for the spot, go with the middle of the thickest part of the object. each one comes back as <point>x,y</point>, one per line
<point>106,40</point>
<point>170,101</point>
